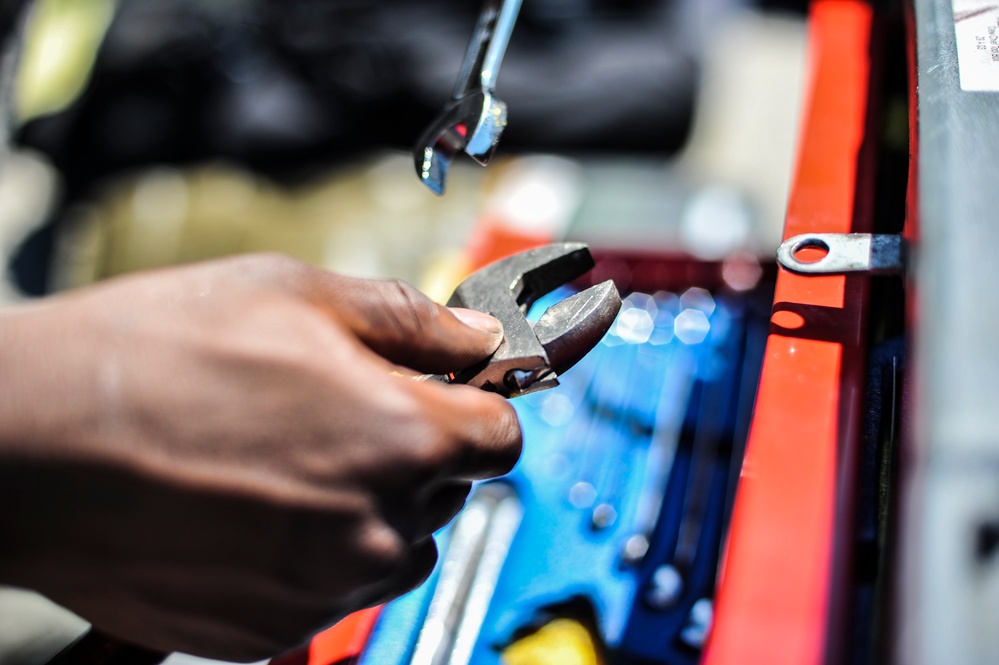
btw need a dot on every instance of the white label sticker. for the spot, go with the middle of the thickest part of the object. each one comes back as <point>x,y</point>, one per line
<point>976,25</point>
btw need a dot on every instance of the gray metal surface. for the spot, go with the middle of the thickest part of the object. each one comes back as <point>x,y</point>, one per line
<point>948,588</point>
<point>530,357</point>
<point>845,253</point>
<point>475,554</point>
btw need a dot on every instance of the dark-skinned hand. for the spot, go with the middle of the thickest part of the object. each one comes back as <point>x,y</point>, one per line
<point>224,458</point>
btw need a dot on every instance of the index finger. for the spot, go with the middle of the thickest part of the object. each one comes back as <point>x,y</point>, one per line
<point>398,322</point>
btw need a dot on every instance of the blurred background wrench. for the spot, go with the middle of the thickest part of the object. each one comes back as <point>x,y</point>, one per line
<point>474,119</point>
<point>531,356</point>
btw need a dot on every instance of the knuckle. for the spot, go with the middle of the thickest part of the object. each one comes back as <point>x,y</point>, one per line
<point>422,561</point>
<point>444,457</point>
<point>432,462</point>
<point>431,443</point>
<point>265,269</point>
<point>382,552</point>
<point>408,310</point>
<point>406,294</point>
<point>420,564</point>
<point>273,263</point>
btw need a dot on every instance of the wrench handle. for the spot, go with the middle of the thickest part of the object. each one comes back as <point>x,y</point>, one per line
<point>487,47</point>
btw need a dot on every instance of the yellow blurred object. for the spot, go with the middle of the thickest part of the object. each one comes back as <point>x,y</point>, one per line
<point>59,52</point>
<point>443,272</point>
<point>561,642</point>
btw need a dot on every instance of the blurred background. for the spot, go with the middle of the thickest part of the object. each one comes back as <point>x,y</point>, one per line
<point>153,132</point>
<point>156,132</point>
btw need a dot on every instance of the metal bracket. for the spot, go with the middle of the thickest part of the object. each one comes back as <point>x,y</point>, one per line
<point>845,253</point>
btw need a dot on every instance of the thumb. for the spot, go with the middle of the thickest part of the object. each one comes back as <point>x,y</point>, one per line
<point>406,327</point>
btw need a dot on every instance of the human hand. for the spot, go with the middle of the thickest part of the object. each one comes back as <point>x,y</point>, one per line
<point>224,458</point>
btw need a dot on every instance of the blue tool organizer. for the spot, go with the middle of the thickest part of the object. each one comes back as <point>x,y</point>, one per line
<point>623,493</point>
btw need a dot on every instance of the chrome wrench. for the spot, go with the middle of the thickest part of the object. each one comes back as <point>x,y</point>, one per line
<point>474,119</point>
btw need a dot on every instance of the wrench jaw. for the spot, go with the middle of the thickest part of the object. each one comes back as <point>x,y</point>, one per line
<point>570,328</point>
<point>472,124</point>
<point>523,278</point>
<point>437,147</point>
<point>485,138</point>
<point>474,120</point>
<point>565,332</point>
<point>520,361</point>
<point>531,357</point>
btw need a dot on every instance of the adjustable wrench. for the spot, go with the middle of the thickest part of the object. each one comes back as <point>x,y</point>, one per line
<point>474,119</point>
<point>531,357</point>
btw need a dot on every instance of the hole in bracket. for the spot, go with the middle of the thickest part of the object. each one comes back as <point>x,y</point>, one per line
<point>810,250</point>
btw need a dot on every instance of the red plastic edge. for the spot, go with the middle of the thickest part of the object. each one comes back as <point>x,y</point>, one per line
<point>778,599</point>
<point>341,644</point>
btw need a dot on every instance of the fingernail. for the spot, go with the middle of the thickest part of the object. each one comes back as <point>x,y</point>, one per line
<point>478,320</point>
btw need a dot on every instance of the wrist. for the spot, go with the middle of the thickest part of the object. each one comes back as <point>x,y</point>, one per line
<point>36,387</point>
<point>43,412</point>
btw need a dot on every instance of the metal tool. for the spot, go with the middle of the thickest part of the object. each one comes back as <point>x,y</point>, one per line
<point>474,119</point>
<point>845,253</point>
<point>476,550</point>
<point>531,357</point>
<point>663,443</point>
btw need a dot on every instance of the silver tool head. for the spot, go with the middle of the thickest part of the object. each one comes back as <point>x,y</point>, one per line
<point>472,124</point>
<point>474,119</point>
<point>531,357</point>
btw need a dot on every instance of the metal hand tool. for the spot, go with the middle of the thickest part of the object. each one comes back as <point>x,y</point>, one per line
<point>474,119</point>
<point>531,357</point>
<point>476,551</point>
